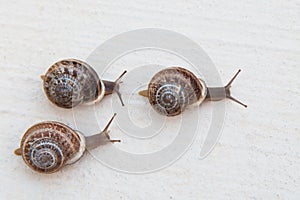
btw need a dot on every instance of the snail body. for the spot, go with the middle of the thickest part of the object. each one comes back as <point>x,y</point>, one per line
<point>172,89</point>
<point>71,82</point>
<point>48,146</point>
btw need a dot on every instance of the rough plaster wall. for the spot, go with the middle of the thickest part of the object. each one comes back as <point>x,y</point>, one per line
<point>258,154</point>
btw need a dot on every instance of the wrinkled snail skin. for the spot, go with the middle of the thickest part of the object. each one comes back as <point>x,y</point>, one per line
<point>48,146</point>
<point>71,82</point>
<point>172,89</point>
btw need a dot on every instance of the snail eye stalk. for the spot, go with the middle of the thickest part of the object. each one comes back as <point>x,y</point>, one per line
<point>227,90</point>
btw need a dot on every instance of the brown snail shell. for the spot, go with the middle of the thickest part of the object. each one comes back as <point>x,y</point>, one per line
<point>71,82</point>
<point>48,146</point>
<point>172,89</point>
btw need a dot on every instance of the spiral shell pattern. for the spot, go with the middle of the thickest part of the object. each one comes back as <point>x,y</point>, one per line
<point>48,146</point>
<point>71,82</point>
<point>172,89</point>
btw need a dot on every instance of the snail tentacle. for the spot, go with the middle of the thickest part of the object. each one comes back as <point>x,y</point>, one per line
<point>113,86</point>
<point>219,93</point>
<point>101,138</point>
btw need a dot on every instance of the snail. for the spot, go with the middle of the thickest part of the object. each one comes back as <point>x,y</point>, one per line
<point>48,146</point>
<point>172,89</point>
<point>71,82</point>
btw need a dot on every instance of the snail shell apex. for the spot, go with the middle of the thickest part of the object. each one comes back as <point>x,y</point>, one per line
<point>48,146</point>
<point>172,89</point>
<point>70,82</point>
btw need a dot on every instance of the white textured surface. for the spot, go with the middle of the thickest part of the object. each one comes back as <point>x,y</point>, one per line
<point>258,155</point>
